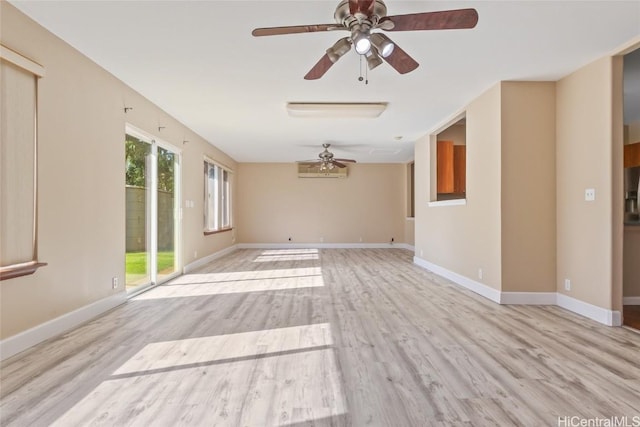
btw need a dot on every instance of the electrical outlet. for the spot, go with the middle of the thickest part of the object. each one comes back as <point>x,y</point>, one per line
<point>480,273</point>
<point>114,283</point>
<point>567,284</point>
<point>590,194</point>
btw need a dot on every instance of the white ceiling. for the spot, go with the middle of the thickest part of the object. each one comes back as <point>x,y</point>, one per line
<point>198,61</point>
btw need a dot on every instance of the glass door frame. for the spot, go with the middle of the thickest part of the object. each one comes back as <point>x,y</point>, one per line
<point>152,210</point>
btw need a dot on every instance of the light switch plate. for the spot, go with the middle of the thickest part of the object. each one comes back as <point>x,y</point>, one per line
<point>590,194</point>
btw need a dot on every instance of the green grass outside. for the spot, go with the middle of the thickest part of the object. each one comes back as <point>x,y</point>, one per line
<point>136,264</point>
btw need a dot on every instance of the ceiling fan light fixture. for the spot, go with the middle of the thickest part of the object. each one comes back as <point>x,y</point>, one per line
<point>326,166</point>
<point>340,47</point>
<point>373,59</point>
<point>363,45</point>
<point>361,41</point>
<point>383,44</point>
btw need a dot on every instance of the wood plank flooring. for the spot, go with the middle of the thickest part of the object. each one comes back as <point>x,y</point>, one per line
<point>353,337</point>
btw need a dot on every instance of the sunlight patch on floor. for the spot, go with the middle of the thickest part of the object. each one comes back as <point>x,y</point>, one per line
<point>225,347</point>
<point>283,257</point>
<point>296,380</point>
<point>229,276</point>
<point>289,251</point>
<point>193,285</point>
<point>274,255</point>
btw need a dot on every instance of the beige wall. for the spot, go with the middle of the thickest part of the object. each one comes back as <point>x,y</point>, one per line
<point>507,226</point>
<point>81,179</point>
<point>528,187</point>
<point>456,133</point>
<point>410,231</point>
<point>465,238</point>
<point>584,160</point>
<point>275,204</point>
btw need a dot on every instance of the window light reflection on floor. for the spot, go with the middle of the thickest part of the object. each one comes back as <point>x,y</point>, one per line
<point>209,381</point>
<point>227,347</point>
<point>274,255</point>
<point>191,285</point>
<point>300,251</point>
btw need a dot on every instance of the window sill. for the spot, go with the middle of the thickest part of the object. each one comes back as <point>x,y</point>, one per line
<point>17,270</point>
<point>222,230</point>
<point>454,202</point>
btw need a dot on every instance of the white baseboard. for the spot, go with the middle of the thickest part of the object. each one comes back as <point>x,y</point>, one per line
<point>205,260</point>
<point>528,298</point>
<point>324,246</point>
<point>599,314</point>
<point>54,327</point>
<point>477,287</point>
<point>631,300</point>
<point>406,246</point>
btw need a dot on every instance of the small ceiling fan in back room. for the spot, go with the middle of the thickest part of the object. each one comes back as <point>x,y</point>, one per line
<point>360,18</point>
<point>326,161</point>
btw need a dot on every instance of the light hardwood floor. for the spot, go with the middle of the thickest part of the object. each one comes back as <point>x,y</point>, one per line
<point>354,337</point>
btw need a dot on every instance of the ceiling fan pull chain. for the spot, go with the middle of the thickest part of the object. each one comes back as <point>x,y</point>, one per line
<point>366,75</point>
<point>360,78</point>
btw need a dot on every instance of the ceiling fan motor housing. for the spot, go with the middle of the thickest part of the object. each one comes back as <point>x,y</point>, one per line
<point>326,155</point>
<point>344,16</point>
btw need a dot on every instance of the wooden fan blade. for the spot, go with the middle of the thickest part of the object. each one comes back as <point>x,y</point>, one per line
<point>295,29</point>
<point>362,6</point>
<point>338,164</point>
<point>401,61</point>
<point>353,6</point>
<point>346,160</point>
<point>320,68</point>
<point>444,20</point>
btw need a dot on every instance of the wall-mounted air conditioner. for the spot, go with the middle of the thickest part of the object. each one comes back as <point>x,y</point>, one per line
<point>314,172</point>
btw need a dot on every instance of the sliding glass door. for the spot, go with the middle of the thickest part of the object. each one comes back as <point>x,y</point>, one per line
<point>166,214</point>
<point>152,210</point>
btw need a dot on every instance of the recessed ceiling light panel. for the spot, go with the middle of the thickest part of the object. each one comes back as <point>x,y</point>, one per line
<point>346,110</point>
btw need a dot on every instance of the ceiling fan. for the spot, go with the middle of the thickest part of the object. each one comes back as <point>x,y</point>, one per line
<point>326,161</point>
<point>360,17</point>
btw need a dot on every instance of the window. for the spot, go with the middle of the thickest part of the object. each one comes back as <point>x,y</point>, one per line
<point>217,185</point>
<point>449,164</point>
<point>18,169</point>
